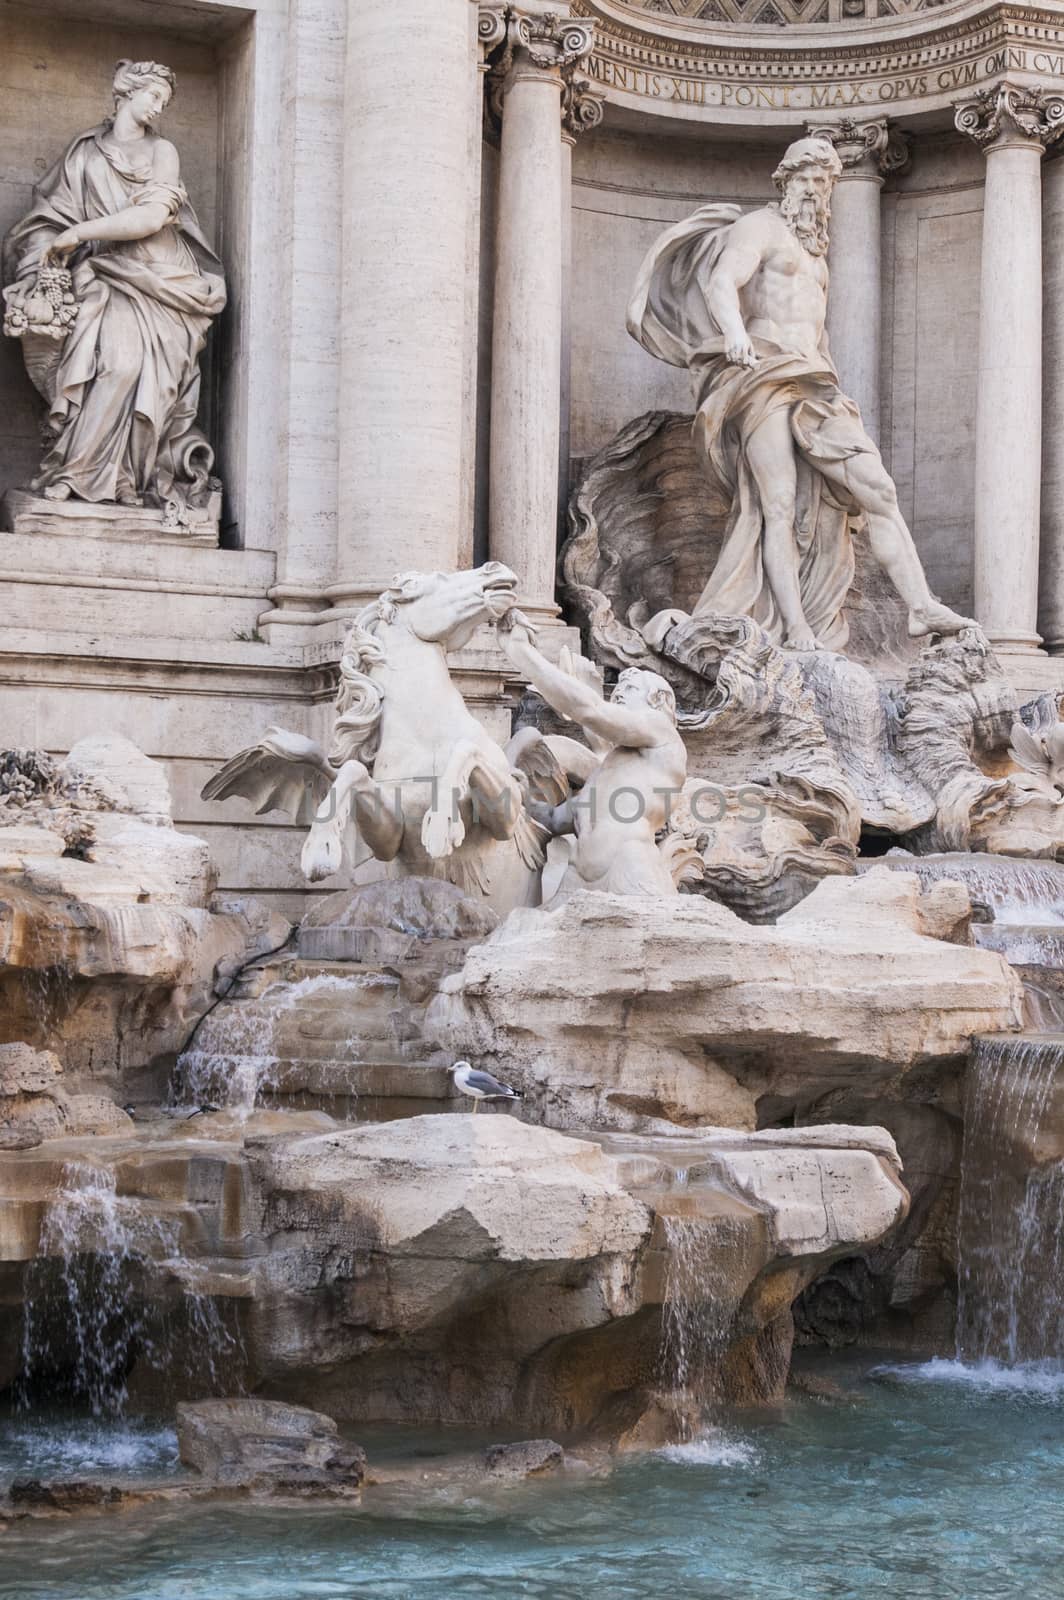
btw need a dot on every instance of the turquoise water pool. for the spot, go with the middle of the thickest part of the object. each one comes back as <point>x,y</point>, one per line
<point>931,1483</point>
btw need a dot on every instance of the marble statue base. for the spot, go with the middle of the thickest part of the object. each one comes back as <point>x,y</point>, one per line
<point>23,511</point>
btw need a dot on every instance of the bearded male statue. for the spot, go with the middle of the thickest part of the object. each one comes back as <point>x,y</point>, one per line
<point>741,300</point>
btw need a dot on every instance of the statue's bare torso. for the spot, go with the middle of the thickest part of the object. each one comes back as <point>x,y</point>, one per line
<point>785,300</point>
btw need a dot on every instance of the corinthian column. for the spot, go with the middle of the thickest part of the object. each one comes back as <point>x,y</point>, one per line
<point>1013,125</point>
<point>869,152</point>
<point>542,48</point>
<point>411,119</point>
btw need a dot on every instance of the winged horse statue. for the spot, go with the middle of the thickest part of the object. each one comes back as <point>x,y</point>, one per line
<point>409,769</point>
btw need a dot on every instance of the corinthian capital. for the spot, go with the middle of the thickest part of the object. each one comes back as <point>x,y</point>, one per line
<point>582,104</point>
<point>548,40</point>
<point>491,26</point>
<point>867,149</point>
<point>529,38</point>
<point>1010,113</point>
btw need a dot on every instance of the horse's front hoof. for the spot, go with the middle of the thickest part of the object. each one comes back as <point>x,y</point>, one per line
<point>321,857</point>
<point>440,833</point>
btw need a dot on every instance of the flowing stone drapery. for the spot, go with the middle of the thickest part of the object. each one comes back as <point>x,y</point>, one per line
<point>869,152</point>
<point>123,386</point>
<point>411,110</point>
<point>1013,125</point>
<point>541,51</point>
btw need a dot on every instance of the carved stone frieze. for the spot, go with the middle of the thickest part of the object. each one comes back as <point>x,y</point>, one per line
<point>871,148</point>
<point>1010,113</point>
<point>712,63</point>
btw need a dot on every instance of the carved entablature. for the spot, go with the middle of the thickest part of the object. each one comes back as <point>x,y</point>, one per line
<point>1011,113</point>
<point>689,66</point>
<point>872,148</point>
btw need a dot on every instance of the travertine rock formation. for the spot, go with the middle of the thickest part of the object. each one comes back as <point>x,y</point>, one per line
<point>804,749</point>
<point>626,1015</point>
<point>266,1445</point>
<point>475,1270</point>
<point>107,948</point>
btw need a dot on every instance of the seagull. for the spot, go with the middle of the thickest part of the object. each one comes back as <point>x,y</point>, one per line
<point>481,1085</point>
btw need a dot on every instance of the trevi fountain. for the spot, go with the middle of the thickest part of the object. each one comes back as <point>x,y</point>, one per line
<point>532,799</point>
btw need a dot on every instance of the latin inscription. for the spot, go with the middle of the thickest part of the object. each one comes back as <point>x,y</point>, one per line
<point>839,95</point>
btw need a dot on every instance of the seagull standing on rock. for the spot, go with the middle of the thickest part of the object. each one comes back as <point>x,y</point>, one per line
<point>480,1085</point>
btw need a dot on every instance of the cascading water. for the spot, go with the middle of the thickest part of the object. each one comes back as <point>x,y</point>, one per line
<point>697,1309</point>
<point>1026,902</point>
<point>1024,893</point>
<point>1011,1216</point>
<point>233,1059</point>
<point>92,1306</point>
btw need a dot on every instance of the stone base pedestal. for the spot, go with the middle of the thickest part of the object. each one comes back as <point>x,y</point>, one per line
<point>23,511</point>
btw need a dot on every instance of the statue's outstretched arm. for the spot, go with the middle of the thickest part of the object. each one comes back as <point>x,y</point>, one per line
<point>618,725</point>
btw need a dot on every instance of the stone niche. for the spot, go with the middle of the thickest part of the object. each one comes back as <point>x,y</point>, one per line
<point>57,59</point>
<point>630,184</point>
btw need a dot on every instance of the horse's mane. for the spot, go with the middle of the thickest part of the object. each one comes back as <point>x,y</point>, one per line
<point>359,701</point>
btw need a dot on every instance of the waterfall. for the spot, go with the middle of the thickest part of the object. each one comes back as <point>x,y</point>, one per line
<point>1030,893</point>
<point>234,1057</point>
<point>698,1303</point>
<point>1011,1215</point>
<point>94,1303</point>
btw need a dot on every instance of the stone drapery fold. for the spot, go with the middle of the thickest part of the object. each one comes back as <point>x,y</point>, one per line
<point>124,393</point>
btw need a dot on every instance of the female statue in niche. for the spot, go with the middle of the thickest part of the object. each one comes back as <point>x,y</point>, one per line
<point>118,363</point>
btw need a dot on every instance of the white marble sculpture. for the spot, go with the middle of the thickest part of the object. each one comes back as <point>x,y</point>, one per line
<point>112,288</point>
<point>741,300</point>
<point>409,768</point>
<point>633,771</point>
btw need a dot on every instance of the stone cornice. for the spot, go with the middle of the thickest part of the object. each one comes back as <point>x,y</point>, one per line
<point>692,71</point>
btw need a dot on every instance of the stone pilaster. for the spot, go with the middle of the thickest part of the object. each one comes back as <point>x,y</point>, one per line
<point>869,151</point>
<point>583,105</point>
<point>1012,124</point>
<point>411,119</point>
<point>1051,545</point>
<point>536,85</point>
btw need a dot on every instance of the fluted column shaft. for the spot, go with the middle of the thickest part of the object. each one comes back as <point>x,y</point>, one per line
<point>1013,126</point>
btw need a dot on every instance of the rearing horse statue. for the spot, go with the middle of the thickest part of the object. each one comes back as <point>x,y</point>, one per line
<point>409,767</point>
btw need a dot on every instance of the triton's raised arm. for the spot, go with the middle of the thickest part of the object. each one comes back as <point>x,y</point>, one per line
<point>631,727</point>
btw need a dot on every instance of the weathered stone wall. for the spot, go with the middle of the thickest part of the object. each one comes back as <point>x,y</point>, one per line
<point>932,233</point>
